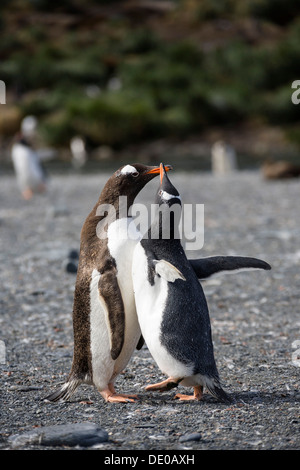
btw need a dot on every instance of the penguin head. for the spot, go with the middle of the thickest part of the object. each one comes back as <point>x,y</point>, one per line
<point>130,179</point>
<point>167,193</point>
<point>166,223</point>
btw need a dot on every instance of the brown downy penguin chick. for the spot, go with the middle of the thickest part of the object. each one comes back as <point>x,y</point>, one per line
<point>105,324</point>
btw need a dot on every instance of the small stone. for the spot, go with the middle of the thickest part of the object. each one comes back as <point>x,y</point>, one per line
<point>70,267</point>
<point>194,436</point>
<point>25,388</point>
<point>78,434</point>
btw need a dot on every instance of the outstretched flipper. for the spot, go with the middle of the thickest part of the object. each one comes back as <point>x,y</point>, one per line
<point>206,267</point>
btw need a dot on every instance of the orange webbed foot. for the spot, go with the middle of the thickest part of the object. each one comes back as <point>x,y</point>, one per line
<point>198,393</point>
<point>165,385</point>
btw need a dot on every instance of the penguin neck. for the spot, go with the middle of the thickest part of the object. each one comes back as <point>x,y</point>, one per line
<point>120,203</point>
<point>166,223</point>
<point>107,208</point>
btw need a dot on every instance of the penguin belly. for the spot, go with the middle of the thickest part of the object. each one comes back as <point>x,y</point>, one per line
<point>175,326</point>
<point>150,304</point>
<point>122,239</point>
<point>102,362</point>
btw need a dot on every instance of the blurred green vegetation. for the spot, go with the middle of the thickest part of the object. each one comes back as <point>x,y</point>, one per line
<point>116,75</point>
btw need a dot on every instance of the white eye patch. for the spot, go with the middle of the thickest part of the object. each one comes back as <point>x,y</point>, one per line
<point>166,196</point>
<point>128,169</point>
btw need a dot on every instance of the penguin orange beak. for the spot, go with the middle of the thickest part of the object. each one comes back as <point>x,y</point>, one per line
<point>162,172</point>
<point>157,170</point>
<point>163,169</point>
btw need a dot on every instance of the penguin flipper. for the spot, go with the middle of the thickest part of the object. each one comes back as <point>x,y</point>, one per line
<point>167,270</point>
<point>111,296</point>
<point>206,267</point>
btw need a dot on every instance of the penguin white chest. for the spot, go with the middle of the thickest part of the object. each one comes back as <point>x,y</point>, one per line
<point>150,300</point>
<point>150,304</point>
<point>123,237</point>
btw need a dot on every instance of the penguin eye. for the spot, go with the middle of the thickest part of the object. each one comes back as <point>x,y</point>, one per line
<point>135,174</point>
<point>160,192</point>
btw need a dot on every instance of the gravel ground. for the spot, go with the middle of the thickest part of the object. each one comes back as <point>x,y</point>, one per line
<point>255,320</point>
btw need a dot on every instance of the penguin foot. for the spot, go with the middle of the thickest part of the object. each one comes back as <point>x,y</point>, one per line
<point>119,399</point>
<point>182,397</point>
<point>165,385</point>
<point>198,393</point>
<point>109,394</point>
<point>27,194</point>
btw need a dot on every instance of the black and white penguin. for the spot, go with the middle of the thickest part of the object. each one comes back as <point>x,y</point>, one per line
<point>171,305</point>
<point>30,174</point>
<point>105,324</point>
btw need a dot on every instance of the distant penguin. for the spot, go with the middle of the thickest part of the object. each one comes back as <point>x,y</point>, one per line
<point>171,305</point>
<point>30,174</point>
<point>106,329</point>
<point>79,153</point>
<point>223,158</point>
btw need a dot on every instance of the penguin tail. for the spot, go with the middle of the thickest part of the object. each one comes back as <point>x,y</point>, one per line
<point>214,387</point>
<point>64,392</point>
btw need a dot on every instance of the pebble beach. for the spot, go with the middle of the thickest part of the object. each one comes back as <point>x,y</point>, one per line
<point>254,316</point>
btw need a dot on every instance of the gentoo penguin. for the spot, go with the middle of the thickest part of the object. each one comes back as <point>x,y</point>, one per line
<point>79,153</point>
<point>105,324</point>
<point>171,305</point>
<point>223,158</point>
<point>30,174</point>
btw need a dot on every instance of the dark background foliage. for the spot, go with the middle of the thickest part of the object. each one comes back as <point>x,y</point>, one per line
<point>133,71</point>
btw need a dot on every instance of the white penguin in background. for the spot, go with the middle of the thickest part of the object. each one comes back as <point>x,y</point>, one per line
<point>30,174</point>
<point>79,153</point>
<point>223,158</point>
